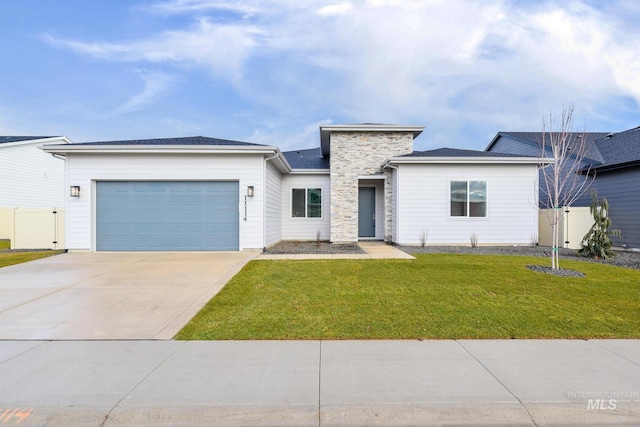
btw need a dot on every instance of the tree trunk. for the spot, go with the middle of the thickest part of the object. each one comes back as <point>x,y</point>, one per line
<point>554,240</point>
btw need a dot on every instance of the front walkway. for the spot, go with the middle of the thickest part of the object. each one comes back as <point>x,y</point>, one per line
<point>321,383</point>
<point>374,250</point>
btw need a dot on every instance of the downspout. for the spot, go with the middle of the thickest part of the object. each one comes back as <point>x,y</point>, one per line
<point>275,156</point>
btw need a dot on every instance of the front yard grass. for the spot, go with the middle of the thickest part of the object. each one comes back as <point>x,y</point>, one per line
<point>11,258</point>
<point>433,297</point>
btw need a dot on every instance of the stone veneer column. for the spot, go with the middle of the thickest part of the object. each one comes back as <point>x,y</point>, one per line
<point>360,153</point>
<point>388,206</point>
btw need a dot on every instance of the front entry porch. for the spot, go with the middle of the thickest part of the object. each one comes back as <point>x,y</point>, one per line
<point>370,209</point>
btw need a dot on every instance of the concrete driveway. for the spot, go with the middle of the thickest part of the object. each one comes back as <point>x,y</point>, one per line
<point>111,295</point>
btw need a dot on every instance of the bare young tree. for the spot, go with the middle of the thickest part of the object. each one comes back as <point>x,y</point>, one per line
<point>564,179</point>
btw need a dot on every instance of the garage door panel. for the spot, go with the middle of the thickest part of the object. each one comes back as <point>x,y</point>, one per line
<point>166,215</point>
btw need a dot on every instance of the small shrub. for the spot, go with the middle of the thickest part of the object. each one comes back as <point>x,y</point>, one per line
<point>474,240</point>
<point>596,243</point>
<point>318,241</point>
<point>423,237</point>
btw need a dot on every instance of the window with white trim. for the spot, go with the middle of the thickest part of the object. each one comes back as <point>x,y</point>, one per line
<point>306,202</point>
<point>468,199</point>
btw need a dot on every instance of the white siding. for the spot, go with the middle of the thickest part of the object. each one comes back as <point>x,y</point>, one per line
<point>306,228</point>
<point>273,205</point>
<point>85,169</point>
<point>395,196</point>
<point>30,177</point>
<point>423,204</point>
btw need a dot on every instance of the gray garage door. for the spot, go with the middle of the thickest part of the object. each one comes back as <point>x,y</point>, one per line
<point>166,216</point>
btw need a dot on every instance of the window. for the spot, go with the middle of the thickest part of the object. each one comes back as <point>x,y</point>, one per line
<point>469,198</point>
<point>306,202</point>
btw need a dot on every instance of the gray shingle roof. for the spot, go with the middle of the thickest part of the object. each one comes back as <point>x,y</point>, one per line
<point>7,139</point>
<point>619,148</point>
<point>190,140</point>
<point>536,136</point>
<point>307,159</point>
<point>456,152</point>
<point>606,150</point>
<point>593,153</point>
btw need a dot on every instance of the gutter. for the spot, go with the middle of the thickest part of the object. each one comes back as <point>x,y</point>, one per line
<point>78,148</point>
<point>310,171</point>
<point>465,160</point>
<point>283,160</point>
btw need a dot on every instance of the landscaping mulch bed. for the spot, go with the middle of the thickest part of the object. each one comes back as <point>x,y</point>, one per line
<point>627,259</point>
<point>305,247</point>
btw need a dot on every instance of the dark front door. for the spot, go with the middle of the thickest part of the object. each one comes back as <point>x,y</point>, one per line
<point>367,212</point>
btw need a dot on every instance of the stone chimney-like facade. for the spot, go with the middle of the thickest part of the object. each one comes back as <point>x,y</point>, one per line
<point>355,152</point>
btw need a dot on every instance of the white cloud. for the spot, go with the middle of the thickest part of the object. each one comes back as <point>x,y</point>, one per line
<point>493,64</point>
<point>335,9</point>
<point>296,138</point>
<point>174,7</point>
<point>155,84</point>
<point>221,48</point>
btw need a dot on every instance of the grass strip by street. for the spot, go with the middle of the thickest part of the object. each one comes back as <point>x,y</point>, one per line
<point>436,296</point>
<point>11,258</point>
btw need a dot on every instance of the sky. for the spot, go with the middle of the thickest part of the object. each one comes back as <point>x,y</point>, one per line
<point>272,71</point>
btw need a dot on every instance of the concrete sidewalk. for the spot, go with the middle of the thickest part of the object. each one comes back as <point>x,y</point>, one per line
<point>320,383</point>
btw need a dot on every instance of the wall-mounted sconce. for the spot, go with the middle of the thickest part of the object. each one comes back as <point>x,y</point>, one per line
<point>74,191</point>
<point>250,191</point>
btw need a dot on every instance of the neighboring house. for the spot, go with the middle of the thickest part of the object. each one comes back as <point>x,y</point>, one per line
<point>32,192</point>
<point>30,178</point>
<point>363,182</point>
<point>613,160</point>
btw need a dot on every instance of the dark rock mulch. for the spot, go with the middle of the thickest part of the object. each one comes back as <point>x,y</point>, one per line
<point>303,247</point>
<point>627,259</point>
<point>564,272</point>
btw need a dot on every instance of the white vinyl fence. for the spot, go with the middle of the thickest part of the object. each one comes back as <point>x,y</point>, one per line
<point>33,228</point>
<point>574,224</point>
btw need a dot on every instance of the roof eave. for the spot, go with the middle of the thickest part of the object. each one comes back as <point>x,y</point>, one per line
<point>611,167</point>
<point>466,160</point>
<point>493,141</point>
<point>61,140</point>
<point>139,148</point>
<point>325,131</point>
<point>310,171</point>
<point>277,154</point>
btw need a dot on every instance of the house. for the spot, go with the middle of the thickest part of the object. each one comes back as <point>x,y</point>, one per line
<point>364,181</point>
<point>613,160</point>
<point>30,178</point>
<point>32,190</point>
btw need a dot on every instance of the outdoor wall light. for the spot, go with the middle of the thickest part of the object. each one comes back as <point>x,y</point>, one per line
<point>74,191</point>
<point>250,191</point>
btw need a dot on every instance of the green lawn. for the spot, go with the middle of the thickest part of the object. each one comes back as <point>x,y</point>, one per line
<point>11,258</point>
<point>435,296</point>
